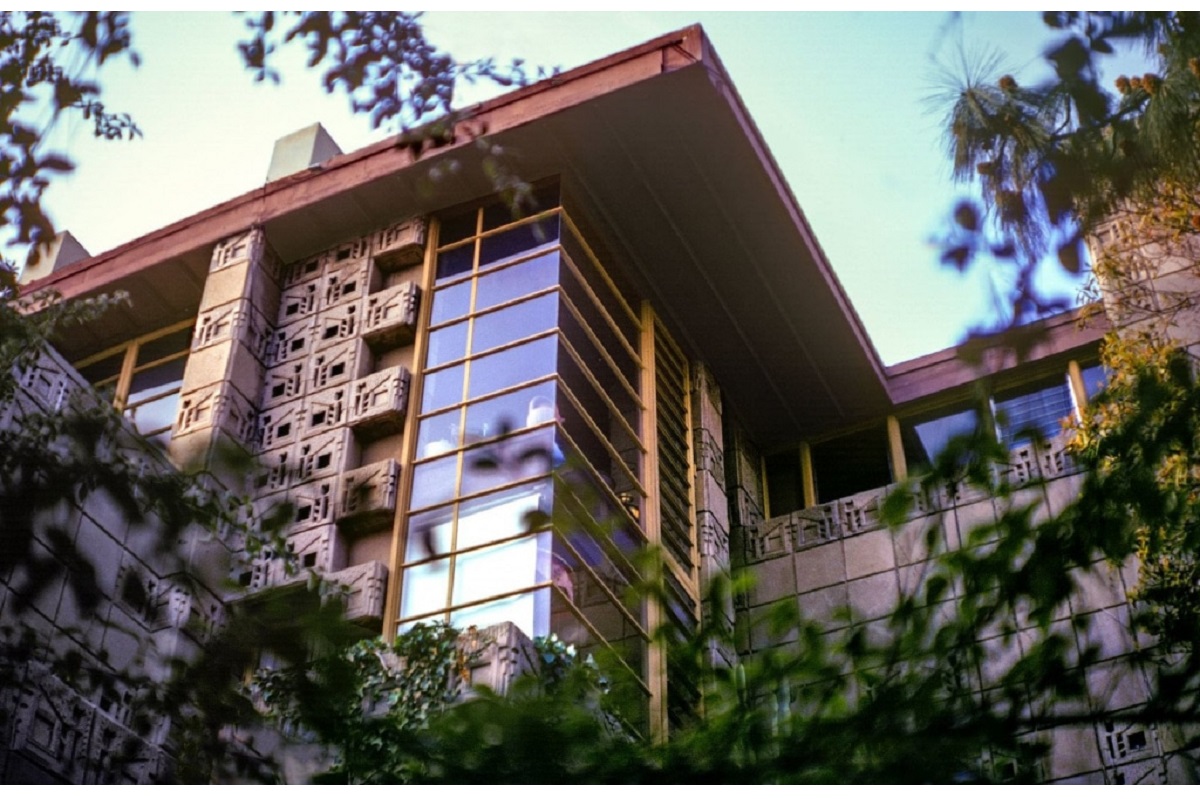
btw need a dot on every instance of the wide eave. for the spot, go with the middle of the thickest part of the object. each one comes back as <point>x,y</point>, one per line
<point>661,153</point>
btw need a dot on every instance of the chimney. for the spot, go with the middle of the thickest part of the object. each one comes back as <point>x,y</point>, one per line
<point>301,150</point>
<point>63,251</point>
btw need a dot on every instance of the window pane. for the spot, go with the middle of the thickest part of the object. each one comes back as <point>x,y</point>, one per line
<point>155,415</point>
<point>517,280</point>
<point>451,302</point>
<point>501,515</point>
<point>599,327</point>
<point>1095,378</point>
<point>530,612</point>
<point>456,261</point>
<point>608,300</point>
<point>428,535</point>
<point>925,440</point>
<point>523,408</point>
<point>512,366</point>
<point>851,463</point>
<point>1037,412</point>
<point>156,380</point>
<point>501,213</point>
<point>434,481</point>
<point>447,344</point>
<point>514,322</point>
<point>457,228</point>
<point>498,570</point>
<point>442,388</point>
<point>518,240</point>
<point>425,587</point>
<point>784,487</point>
<point>110,367</point>
<point>509,460</point>
<point>439,434</point>
<point>170,344</point>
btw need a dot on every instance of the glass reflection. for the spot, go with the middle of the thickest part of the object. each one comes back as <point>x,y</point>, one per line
<point>511,367</point>
<point>438,434</point>
<point>518,240</point>
<point>516,281</point>
<point>500,569</point>
<point>451,302</point>
<point>442,388</point>
<point>426,587</point>
<point>456,261</point>
<point>447,344</point>
<point>523,408</point>
<point>514,322</point>
<point>434,481</point>
<point>529,611</point>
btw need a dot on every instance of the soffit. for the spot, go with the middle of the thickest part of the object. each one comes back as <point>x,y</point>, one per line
<point>690,200</point>
<point>161,295</point>
<point>657,146</point>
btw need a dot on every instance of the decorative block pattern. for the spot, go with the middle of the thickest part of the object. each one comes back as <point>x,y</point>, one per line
<point>309,550</point>
<point>314,503</point>
<point>218,407</point>
<point>327,409</point>
<point>236,320</point>
<point>239,247</point>
<point>348,283</point>
<point>400,245</point>
<point>368,495</point>
<point>337,324</point>
<point>299,301</point>
<point>301,271</point>
<point>391,315</point>
<point>365,586</point>
<point>283,384</point>
<point>338,256</point>
<point>323,456</point>
<point>292,341</point>
<point>338,364</point>
<point>379,401</point>
<point>49,382</point>
<point>278,427</point>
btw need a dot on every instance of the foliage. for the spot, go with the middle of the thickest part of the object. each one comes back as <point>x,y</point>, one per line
<point>43,60</point>
<point>1139,438</point>
<point>363,700</point>
<point>1069,161</point>
<point>78,453</point>
<point>1053,161</point>
<point>895,699</point>
<point>381,60</point>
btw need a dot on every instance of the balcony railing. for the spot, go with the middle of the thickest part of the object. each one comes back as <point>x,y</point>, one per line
<point>860,513</point>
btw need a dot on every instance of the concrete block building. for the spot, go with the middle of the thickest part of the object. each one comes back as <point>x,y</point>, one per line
<point>457,398</point>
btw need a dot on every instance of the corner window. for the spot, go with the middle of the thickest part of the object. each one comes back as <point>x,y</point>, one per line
<point>143,378</point>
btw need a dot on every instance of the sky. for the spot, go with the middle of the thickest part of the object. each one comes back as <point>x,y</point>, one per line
<point>840,98</point>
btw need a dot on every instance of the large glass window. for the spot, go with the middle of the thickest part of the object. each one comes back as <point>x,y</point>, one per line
<point>926,437</point>
<point>527,486</point>
<point>1026,413</point>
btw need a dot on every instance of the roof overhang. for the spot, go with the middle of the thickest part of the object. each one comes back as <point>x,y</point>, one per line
<point>1016,355</point>
<point>656,143</point>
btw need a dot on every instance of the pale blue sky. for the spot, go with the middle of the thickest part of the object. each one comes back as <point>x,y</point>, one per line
<point>837,96</point>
